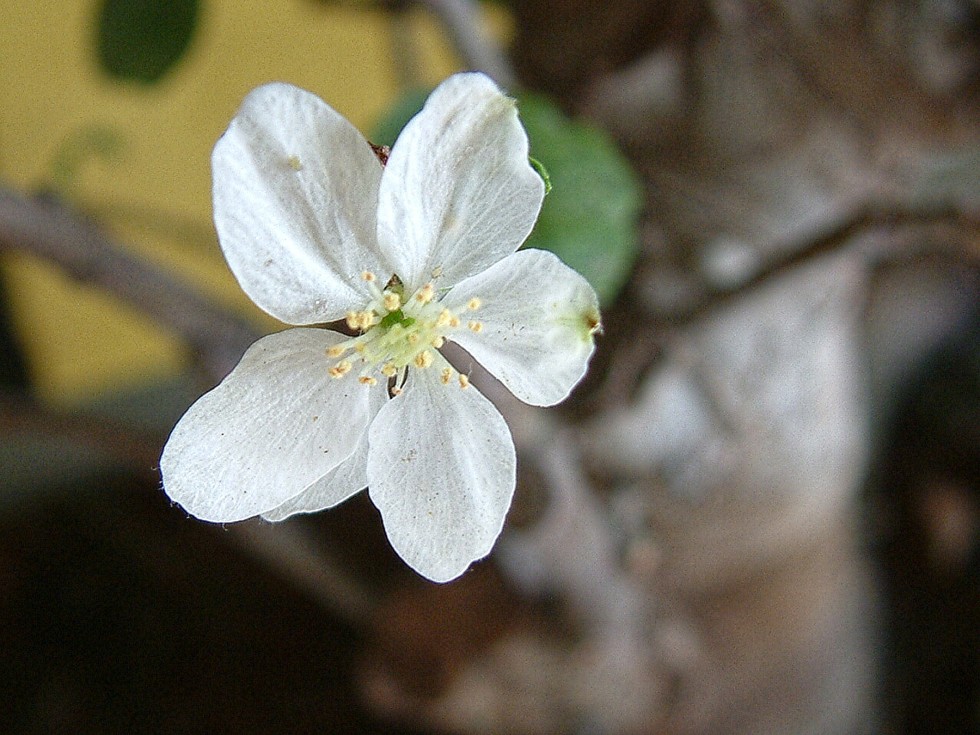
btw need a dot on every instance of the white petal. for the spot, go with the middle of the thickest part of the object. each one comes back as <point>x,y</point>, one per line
<point>442,472</point>
<point>348,478</point>
<point>295,197</point>
<point>538,318</point>
<point>458,193</point>
<point>268,431</point>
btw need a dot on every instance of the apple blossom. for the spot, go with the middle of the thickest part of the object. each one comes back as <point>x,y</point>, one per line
<point>411,255</point>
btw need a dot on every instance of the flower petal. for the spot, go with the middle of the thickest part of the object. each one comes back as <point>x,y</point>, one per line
<point>346,479</point>
<point>295,196</point>
<point>442,472</point>
<point>268,431</point>
<point>538,317</point>
<point>458,193</point>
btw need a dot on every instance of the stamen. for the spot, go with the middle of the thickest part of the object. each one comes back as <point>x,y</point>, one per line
<point>425,294</point>
<point>294,163</point>
<point>389,370</point>
<point>475,327</point>
<point>340,369</point>
<point>423,359</point>
<point>336,350</point>
<point>473,304</point>
<point>367,380</point>
<point>368,276</point>
<point>437,271</point>
<point>464,381</point>
<point>438,341</point>
<point>396,391</point>
<point>392,301</point>
<point>446,376</point>
<point>445,318</point>
<point>360,320</point>
<point>454,321</point>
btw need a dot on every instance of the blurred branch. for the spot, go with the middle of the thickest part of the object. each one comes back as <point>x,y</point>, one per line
<point>50,230</point>
<point>294,556</point>
<point>479,50</point>
<point>911,234</point>
<point>130,449</point>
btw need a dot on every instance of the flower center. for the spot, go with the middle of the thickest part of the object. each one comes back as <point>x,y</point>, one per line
<point>398,332</point>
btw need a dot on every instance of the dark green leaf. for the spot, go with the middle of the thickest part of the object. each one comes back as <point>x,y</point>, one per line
<point>387,128</point>
<point>140,40</point>
<point>590,218</point>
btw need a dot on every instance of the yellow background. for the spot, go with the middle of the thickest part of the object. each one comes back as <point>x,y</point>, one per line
<point>154,193</point>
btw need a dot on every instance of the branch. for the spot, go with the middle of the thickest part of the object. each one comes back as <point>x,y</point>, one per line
<point>478,49</point>
<point>48,229</point>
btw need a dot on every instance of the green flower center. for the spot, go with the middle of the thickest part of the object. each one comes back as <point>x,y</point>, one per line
<point>397,333</point>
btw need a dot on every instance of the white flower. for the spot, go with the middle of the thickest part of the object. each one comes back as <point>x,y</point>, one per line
<point>413,254</point>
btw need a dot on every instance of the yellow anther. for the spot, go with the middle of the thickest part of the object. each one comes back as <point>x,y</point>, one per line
<point>444,319</point>
<point>367,380</point>
<point>437,271</point>
<point>446,376</point>
<point>359,348</point>
<point>368,276</point>
<point>475,327</point>
<point>396,391</point>
<point>454,321</point>
<point>362,320</point>
<point>340,369</point>
<point>425,294</point>
<point>473,304</point>
<point>336,351</point>
<point>294,163</point>
<point>392,300</point>
<point>389,370</point>
<point>423,359</point>
<point>464,381</point>
<point>413,338</point>
<point>438,341</point>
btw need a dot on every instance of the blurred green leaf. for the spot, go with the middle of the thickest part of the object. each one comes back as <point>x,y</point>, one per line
<point>140,40</point>
<point>590,217</point>
<point>79,147</point>
<point>390,124</point>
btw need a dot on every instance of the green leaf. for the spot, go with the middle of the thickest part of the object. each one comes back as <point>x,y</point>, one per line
<point>542,172</point>
<point>390,124</point>
<point>590,217</point>
<point>140,40</point>
<point>78,148</point>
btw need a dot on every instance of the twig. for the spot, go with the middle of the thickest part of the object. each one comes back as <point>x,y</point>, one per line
<point>479,51</point>
<point>294,556</point>
<point>131,449</point>
<point>48,229</point>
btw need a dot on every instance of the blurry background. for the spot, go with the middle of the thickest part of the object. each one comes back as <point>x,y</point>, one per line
<point>759,513</point>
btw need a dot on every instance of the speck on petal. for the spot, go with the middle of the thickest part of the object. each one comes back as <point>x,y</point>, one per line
<point>250,444</point>
<point>441,470</point>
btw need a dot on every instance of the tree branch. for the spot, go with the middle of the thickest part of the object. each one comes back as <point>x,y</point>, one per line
<point>48,229</point>
<point>479,50</point>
